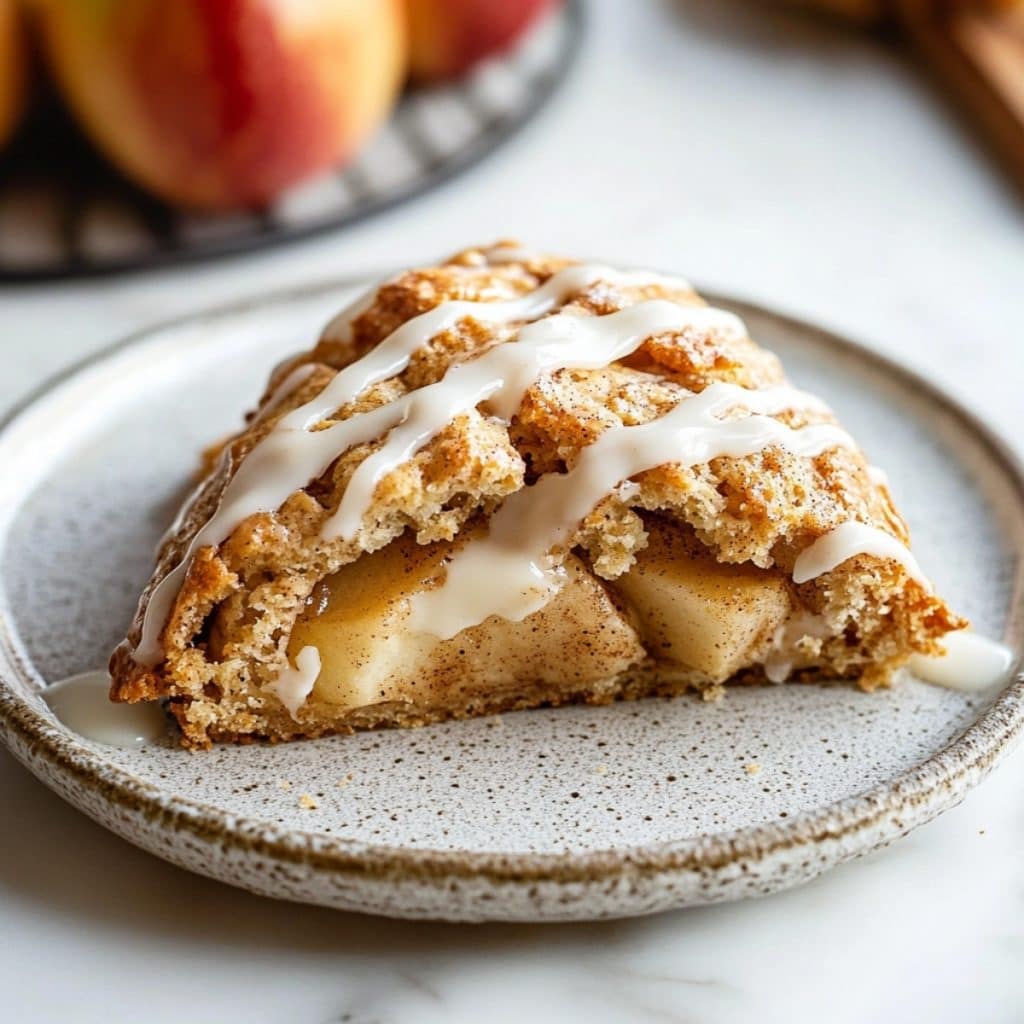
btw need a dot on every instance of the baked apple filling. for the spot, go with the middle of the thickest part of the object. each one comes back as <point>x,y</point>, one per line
<point>698,613</point>
<point>676,606</point>
<point>368,654</point>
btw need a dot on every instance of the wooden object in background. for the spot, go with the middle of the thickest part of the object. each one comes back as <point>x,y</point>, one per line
<point>977,51</point>
<point>974,47</point>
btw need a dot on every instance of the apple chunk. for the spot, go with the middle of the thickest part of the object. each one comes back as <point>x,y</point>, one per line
<point>696,612</point>
<point>358,621</point>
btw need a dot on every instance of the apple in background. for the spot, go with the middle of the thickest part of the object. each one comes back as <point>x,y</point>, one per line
<point>447,37</point>
<point>14,62</point>
<point>221,104</point>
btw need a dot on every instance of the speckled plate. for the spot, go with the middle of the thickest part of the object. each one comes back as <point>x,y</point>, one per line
<point>556,814</point>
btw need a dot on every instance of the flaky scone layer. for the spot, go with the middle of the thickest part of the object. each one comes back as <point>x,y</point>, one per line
<point>227,634</point>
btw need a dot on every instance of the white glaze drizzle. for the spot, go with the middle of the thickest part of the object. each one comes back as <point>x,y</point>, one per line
<point>83,704</point>
<point>183,512</point>
<point>502,254</point>
<point>298,376</point>
<point>847,540</point>
<point>533,522</point>
<point>339,328</point>
<point>282,463</point>
<point>645,278</point>
<point>293,454</point>
<point>502,376</point>
<point>294,685</point>
<point>971,664</point>
<point>281,392</point>
<point>878,476</point>
<point>497,255</point>
<point>392,355</point>
<point>785,652</point>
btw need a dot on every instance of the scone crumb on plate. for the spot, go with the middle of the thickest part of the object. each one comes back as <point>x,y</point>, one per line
<point>284,785</point>
<point>341,783</point>
<point>752,769</point>
<point>307,802</point>
<point>601,769</point>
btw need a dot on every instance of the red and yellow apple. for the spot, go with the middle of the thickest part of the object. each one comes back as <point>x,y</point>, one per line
<point>222,104</point>
<point>13,67</point>
<point>447,37</point>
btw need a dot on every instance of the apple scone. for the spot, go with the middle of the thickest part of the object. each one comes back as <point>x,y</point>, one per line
<point>514,480</point>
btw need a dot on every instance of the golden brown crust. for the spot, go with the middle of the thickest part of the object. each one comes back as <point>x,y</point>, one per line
<point>228,630</point>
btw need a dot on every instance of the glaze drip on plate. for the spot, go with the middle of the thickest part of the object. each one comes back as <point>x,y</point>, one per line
<point>971,664</point>
<point>82,703</point>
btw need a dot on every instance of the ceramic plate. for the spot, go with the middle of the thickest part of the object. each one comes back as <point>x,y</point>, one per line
<point>577,812</point>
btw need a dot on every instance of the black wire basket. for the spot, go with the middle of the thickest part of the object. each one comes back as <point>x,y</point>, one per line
<point>65,213</point>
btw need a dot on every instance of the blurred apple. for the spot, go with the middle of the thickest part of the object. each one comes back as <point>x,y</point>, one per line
<point>13,67</point>
<point>447,37</point>
<point>222,104</point>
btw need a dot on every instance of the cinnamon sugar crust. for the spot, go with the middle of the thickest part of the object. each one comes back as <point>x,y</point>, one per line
<point>227,635</point>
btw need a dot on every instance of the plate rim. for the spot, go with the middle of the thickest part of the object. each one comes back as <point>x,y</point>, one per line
<point>927,789</point>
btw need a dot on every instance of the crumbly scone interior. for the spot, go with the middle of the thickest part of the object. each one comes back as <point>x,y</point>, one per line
<point>680,577</point>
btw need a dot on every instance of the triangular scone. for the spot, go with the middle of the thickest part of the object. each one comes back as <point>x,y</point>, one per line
<point>512,480</point>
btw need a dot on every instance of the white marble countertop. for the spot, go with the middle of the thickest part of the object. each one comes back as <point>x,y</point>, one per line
<point>760,155</point>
